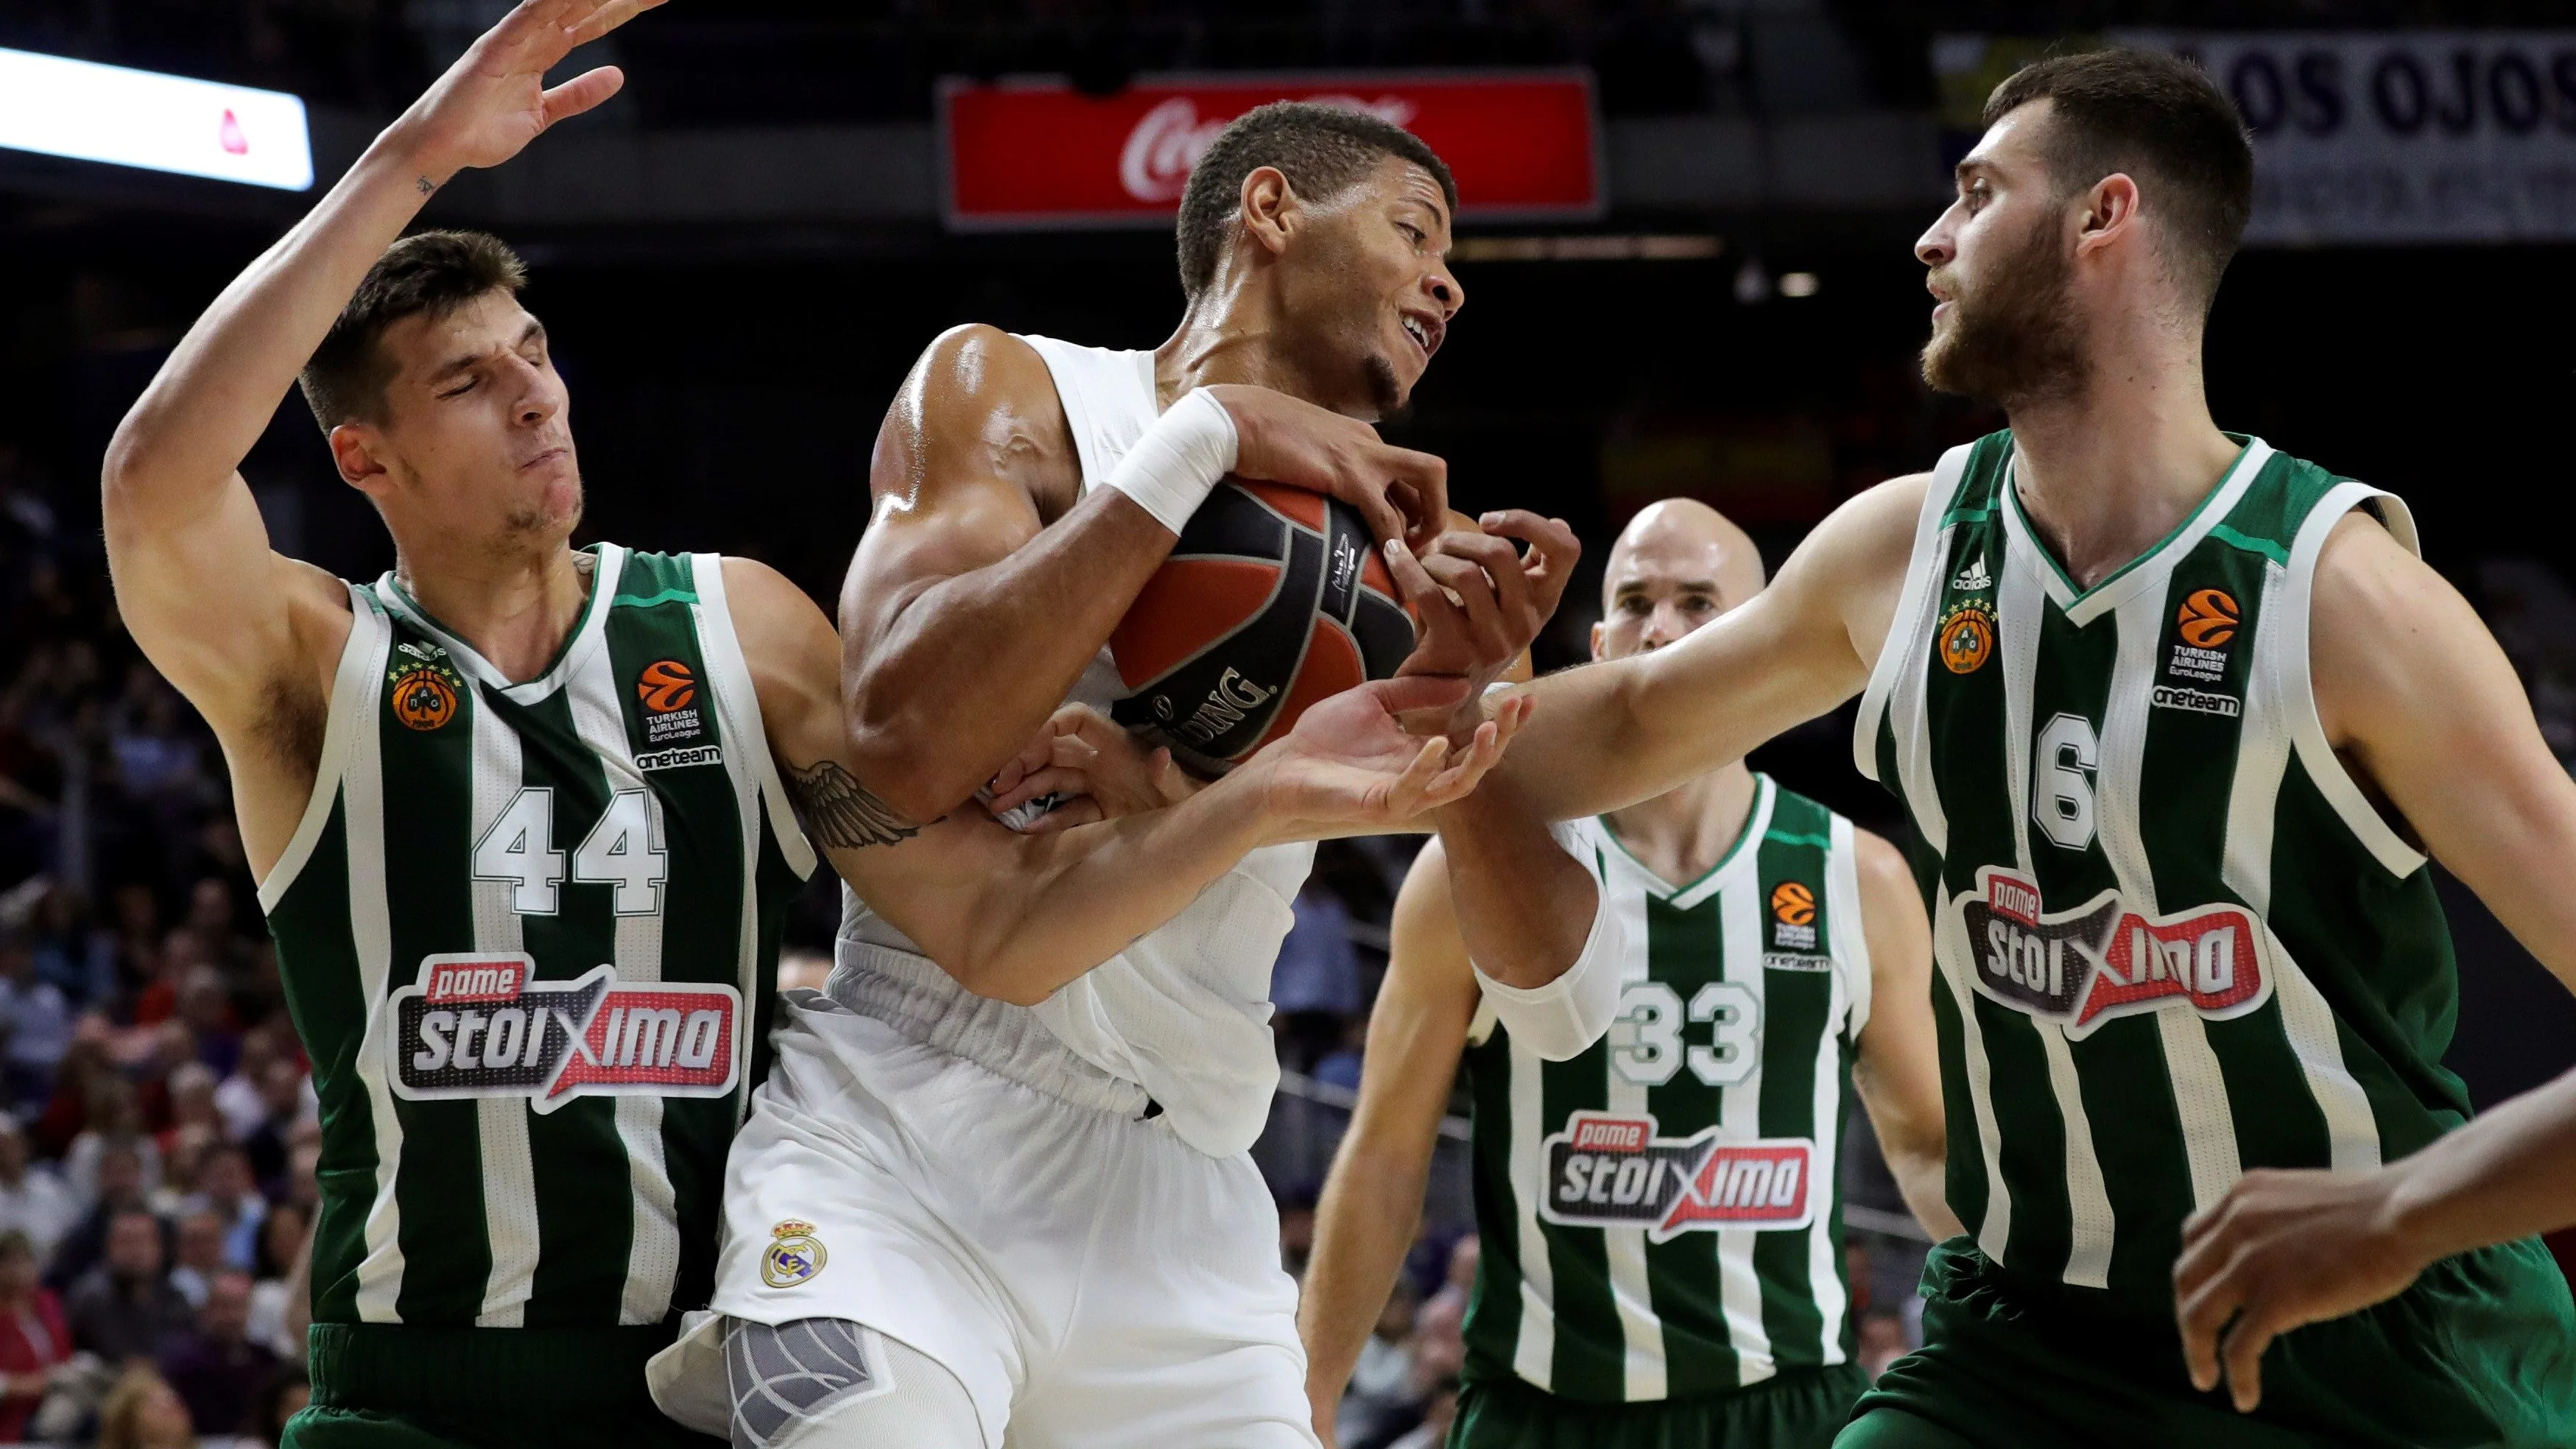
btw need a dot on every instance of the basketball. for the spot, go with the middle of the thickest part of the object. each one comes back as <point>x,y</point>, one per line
<point>1273,599</point>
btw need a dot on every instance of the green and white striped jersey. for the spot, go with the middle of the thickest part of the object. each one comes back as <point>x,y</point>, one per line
<point>1661,1216</point>
<point>529,933</point>
<point>2174,939</point>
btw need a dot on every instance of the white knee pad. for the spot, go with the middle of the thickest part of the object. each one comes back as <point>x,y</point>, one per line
<point>829,1383</point>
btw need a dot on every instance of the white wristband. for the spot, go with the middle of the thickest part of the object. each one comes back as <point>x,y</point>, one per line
<point>1177,462</point>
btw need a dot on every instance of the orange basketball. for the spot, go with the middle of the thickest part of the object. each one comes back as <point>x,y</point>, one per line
<point>1274,598</point>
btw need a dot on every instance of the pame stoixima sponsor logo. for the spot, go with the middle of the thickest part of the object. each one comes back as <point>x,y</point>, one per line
<point>1612,1171</point>
<point>477,1025</point>
<point>2103,960</point>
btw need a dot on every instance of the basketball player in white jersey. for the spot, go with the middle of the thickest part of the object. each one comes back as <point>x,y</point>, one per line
<point>454,784</point>
<point>955,1216</point>
<point>1551,1346</point>
<point>2179,721</point>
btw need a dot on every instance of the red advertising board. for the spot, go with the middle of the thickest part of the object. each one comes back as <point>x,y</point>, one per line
<point>1038,153</point>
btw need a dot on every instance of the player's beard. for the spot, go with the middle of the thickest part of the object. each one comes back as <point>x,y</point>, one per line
<point>2017,340</point>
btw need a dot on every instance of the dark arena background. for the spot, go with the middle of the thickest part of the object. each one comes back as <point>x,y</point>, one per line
<point>739,257</point>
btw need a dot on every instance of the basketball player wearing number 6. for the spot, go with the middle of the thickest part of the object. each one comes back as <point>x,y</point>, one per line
<point>525,817</point>
<point>962,1208</point>
<point>2178,720</point>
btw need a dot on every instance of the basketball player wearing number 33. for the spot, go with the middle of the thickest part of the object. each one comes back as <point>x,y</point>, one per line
<point>2177,719</point>
<point>525,817</point>
<point>966,1208</point>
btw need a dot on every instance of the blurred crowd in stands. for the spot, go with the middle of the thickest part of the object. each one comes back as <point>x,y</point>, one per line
<point>157,1125</point>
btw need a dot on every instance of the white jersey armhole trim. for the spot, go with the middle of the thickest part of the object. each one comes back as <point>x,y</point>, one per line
<point>1077,370</point>
<point>353,691</point>
<point>1480,1027</point>
<point>741,705</point>
<point>1922,583</point>
<point>2298,691</point>
<point>1850,923</point>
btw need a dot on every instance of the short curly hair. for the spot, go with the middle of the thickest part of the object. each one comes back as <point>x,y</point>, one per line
<point>1322,150</point>
<point>432,272</point>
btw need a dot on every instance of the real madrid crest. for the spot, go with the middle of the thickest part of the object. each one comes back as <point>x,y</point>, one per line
<point>794,1254</point>
<point>1966,636</point>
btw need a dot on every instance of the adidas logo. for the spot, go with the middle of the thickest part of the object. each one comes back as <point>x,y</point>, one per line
<point>1973,577</point>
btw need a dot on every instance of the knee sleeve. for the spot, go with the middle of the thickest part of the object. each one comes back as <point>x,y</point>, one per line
<point>829,1383</point>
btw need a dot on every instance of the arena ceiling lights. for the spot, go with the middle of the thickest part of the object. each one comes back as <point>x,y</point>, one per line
<point>1034,152</point>
<point>57,106</point>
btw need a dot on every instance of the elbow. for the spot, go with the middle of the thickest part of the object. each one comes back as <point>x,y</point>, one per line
<point>907,760</point>
<point>1925,1153</point>
<point>907,772</point>
<point>119,472</point>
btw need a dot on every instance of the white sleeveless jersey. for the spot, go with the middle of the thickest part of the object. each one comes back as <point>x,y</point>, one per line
<point>1184,1013</point>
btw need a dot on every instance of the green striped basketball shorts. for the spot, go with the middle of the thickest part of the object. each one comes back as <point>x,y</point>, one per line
<point>1793,1411</point>
<point>2480,1352</point>
<point>385,1386</point>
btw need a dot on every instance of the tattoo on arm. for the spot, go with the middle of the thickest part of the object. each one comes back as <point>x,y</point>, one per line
<point>425,184</point>
<point>838,812</point>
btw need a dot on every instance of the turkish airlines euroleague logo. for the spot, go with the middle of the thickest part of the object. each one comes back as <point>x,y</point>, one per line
<point>666,685</point>
<point>668,690</point>
<point>1793,919</point>
<point>1612,1171</point>
<point>2208,619</point>
<point>2203,628</point>
<point>477,1025</point>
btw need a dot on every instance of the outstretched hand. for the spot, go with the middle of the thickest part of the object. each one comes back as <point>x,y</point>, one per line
<point>1481,598</point>
<point>2283,1249</point>
<point>1350,768</point>
<point>494,100</point>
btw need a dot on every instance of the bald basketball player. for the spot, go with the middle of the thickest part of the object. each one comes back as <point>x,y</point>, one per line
<point>956,1214</point>
<point>1635,1288</point>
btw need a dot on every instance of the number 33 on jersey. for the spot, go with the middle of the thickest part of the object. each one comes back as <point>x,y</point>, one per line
<point>1660,1214</point>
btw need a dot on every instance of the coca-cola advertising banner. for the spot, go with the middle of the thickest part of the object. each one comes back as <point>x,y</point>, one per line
<point>1038,153</point>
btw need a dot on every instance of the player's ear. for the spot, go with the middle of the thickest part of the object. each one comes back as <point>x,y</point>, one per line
<point>2110,211</point>
<point>1598,631</point>
<point>1269,207</point>
<point>355,452</point>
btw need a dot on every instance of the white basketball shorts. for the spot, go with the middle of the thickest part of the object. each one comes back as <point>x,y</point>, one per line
<point>1093,1280</point>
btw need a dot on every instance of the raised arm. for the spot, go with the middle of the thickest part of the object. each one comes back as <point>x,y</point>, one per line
<point>250,637</point>
<point>1898,1071</point>
<point>968,615</point>
<point>1372,1200</point>
<point>1015,917</point>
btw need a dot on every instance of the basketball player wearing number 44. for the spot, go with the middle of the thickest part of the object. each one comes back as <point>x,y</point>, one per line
<point>2178,720</point>
<point>1022,1206</point>
<point>514,785</point>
